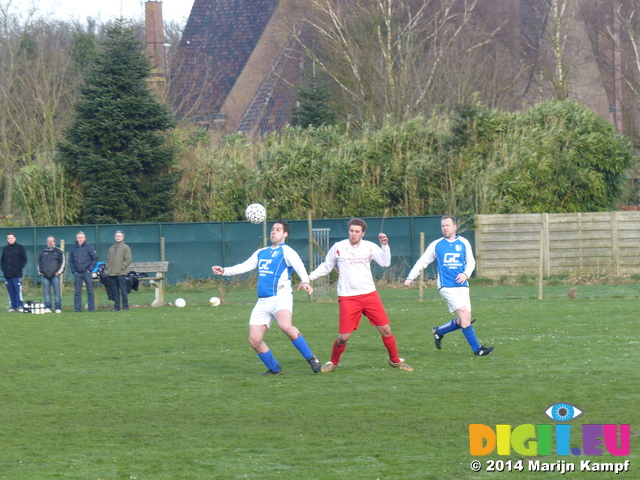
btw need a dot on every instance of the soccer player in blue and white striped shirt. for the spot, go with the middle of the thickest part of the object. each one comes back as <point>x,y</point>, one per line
<point>275,296</point>
<point>455,263</point>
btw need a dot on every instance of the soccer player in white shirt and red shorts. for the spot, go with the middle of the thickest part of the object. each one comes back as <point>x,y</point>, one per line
<point>357,294</point>
<point>455,261</point>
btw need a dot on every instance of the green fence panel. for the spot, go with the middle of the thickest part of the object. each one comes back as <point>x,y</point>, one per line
<point>193,248</point>
<point>189,249</point>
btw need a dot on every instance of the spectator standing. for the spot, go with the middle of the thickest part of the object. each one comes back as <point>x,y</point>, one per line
<point>118,261</point>
<point>14,258</point>
<point>51,264</point>
<point>83,259</point>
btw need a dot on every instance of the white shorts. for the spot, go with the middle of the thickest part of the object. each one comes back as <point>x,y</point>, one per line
<point>265,309</point>
<point>456,297</point>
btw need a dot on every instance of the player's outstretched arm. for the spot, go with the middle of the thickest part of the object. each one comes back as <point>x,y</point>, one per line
<point>325,267</point>
<point>249,264</point>
<point>423,262</point>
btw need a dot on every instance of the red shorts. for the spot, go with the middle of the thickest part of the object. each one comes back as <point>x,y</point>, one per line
<point>352,309</point>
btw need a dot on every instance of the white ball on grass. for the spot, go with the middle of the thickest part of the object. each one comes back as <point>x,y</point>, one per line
<point>214,301</point>
<point>180,302</point>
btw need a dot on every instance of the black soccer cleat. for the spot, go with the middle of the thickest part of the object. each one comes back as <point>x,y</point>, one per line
<point>314,363</point>
<point>437,337</point>
<point>483,351</point>
<point>271,372</point>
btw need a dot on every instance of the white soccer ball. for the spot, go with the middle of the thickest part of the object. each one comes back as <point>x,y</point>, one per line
<point>180,302</point>
<point>214,301</point>
<point>256,213</point>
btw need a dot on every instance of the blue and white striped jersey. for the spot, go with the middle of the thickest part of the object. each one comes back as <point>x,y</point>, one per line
<point>454,257</point>
<point>274,265</point>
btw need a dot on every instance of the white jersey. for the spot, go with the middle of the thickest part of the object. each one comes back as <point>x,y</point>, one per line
<point>274,266</point>
<point>354,266</point>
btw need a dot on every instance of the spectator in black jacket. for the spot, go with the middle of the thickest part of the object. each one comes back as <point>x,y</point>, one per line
<point>14,258</point>
<point>83,259</point>
<point>51,264</point>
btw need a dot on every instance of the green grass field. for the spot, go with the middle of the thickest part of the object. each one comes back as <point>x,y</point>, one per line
<point>172,393</point>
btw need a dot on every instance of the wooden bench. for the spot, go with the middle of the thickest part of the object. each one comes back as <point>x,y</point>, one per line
<point>160,269</point>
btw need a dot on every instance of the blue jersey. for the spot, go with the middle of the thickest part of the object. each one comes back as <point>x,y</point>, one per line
<point>273,272</point>
<point>453,258</point>
<point>274,266</point>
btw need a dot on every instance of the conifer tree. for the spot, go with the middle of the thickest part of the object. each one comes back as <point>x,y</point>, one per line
<point>115,151</point>
<point>314,107</point>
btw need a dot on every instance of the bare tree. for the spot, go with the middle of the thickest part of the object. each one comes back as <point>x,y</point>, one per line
<point>401,58</point>
<point>37,85</point>
<point>566,66</point>
<point>558,42</point>
<point>624,33</point>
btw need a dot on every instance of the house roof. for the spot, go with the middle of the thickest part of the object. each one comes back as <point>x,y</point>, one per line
<point>273,103</point>
<point>216,45</point>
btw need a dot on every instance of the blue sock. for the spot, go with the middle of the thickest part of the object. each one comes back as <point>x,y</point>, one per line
<point>471,338</point>
<point>270,361</point>
<point>301,344</point>
<point>448,327</point>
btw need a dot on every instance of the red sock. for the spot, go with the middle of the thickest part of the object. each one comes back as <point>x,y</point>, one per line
<point>336,352</point>
<point>392,348</point>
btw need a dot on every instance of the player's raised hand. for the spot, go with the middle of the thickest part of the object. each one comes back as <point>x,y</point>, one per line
<point>383,239</point>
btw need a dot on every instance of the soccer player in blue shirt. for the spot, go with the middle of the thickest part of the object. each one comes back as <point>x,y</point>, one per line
<point>275,296</point>
<point>455,263</point>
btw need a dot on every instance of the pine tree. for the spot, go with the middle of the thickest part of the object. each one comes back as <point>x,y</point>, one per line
<point>314,108</point>
<point>115,150</point>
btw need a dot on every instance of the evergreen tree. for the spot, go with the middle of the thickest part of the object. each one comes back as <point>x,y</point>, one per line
<point>313,108</point>
<point>84,49</point>
<point>115,149</point>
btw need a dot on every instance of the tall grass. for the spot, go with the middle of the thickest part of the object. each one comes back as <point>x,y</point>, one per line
<point>45,195</point>
<point>555,157</point>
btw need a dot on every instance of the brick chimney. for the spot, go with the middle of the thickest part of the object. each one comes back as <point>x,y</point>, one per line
<point>155,36</point>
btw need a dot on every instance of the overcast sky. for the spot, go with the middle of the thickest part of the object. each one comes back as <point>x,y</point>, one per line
<point>104,10</point>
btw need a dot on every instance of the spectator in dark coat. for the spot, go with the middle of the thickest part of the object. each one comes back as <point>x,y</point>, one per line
<point>51,264</point>
<point>83,259</point>
<point>14,258</point>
